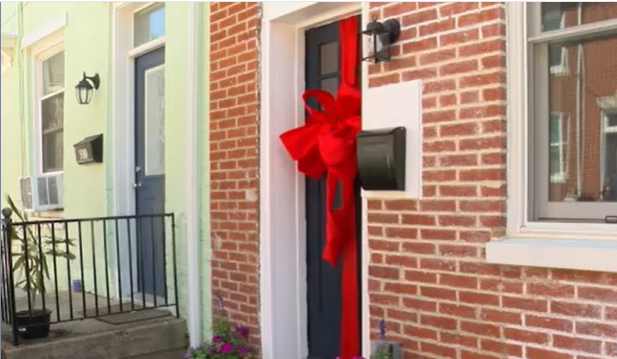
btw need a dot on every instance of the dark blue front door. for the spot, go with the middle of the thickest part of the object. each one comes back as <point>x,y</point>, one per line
<point>323,280</point>
<point>150,170</point>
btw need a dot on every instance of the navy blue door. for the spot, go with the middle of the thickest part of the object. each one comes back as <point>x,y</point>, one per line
<point>150,169</point>
<point>323,280</point>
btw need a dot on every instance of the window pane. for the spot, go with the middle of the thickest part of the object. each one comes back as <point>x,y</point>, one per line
<point>329,58</point>
<point>149,24</point>
<point>582,147</point>
<point>330,85</point>
<point>53,151</point>
<point>609,192</point>
<point>155,121</point>
<point>561,15</point>
<point>611,121</point>
<point>53,74</point>
<point>52,112</point>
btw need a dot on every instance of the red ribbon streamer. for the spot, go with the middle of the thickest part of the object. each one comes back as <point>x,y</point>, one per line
<point>327,144</point>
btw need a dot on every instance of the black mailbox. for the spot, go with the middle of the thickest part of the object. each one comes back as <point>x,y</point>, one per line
<point>89,150</point>
<point>381,159</point>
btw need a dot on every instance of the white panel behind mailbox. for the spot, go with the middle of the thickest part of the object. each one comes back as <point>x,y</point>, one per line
<point>393,106</point>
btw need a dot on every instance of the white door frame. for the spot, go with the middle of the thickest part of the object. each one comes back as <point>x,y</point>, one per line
<point>282,206</point>
<point>123,125</point>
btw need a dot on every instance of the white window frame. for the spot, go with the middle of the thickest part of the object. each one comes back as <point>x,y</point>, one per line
<point>43,50</point>
<point>537,54</point>
<point>582,246</point>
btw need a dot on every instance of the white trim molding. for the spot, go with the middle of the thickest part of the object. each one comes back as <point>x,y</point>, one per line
<point>527,242</point>
<point>555,253</point>
<point>7,59</point>
<point>34,36</point>
<point>282,214</point>
<point>8,40</point>
<point>192,173</point>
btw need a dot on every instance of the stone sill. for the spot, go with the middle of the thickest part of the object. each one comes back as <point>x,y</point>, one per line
<point>577,254</point>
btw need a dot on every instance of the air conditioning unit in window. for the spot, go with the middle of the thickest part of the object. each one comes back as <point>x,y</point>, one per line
<point>41,193</point>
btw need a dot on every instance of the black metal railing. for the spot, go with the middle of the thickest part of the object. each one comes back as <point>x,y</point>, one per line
<point>56,271</point>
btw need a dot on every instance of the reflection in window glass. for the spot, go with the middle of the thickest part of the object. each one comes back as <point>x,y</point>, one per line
<point>583,143</point>
<point>155,121</point>
<point>53,74</point>
<point>149,24</point>
<point>559,15</point>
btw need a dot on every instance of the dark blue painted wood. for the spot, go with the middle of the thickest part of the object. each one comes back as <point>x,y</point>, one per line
<point>150,195</point>
<point>323,280</point>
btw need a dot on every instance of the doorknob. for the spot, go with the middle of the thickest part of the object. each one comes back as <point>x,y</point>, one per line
<point>137,185</point>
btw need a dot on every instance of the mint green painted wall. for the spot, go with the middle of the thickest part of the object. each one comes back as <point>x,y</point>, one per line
<point>8,17</point>
<point>176,112</point>
<point>88,189</point>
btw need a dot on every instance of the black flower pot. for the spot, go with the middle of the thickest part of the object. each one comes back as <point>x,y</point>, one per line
<point>33,324</point>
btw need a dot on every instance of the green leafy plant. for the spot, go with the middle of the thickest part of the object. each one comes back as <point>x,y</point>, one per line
<point>30,256</point>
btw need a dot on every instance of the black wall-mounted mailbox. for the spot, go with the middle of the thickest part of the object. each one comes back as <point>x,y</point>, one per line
<point>381,159</point>
<point>89,150</point>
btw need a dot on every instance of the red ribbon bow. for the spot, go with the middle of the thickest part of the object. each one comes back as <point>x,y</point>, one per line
<point>327,144</point>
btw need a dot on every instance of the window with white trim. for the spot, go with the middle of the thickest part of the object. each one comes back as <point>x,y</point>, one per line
<point>571,95</point>
<point>49,102</point>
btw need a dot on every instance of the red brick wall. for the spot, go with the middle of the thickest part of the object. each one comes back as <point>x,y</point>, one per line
<point>234,161</point>
<point>428,276</point>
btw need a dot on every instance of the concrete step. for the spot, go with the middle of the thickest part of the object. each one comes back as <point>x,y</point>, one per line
<point>162,338</point>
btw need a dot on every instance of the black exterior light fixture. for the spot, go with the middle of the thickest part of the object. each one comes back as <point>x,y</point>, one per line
<point>381,36</point>
<point>84,90</point>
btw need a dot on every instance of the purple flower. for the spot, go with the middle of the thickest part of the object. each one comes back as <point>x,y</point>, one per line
<point>242,331</point>
<point>217,339</point>
<point>382,329</point>
<point>243,350</point>
<point>188,353</point>
<point>226,348</point>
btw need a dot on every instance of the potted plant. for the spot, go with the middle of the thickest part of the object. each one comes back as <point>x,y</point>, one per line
<point>30,269</point>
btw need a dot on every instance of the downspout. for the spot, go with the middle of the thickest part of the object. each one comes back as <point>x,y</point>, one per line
<point>192,190</point>
<point>108,137</point>
<point>579,115</point>
<point>23,124</point>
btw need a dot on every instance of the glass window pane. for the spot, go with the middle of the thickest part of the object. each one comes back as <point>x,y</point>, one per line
<point>582,146</point>
<point>155,121</point>
<point>149,24</point>
<point>611,120</point>
<point>52,112</point>
<point>561,15</point>
<point>609,191</point>
<point>53,151</point>
<point>328,54</point>
<point>330,85</point>
<point>53,74</point>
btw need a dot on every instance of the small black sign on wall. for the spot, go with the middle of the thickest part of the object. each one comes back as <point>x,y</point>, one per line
<point>89,150</point>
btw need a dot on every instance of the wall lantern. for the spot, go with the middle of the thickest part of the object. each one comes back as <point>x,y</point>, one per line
<point>84,90</point>
<point>381,36</point>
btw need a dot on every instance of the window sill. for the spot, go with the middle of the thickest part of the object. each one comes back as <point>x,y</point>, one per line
<point>46,215</point>
<point>578,254</point>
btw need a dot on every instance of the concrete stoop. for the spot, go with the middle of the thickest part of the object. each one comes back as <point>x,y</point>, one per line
<point>163,338</point>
